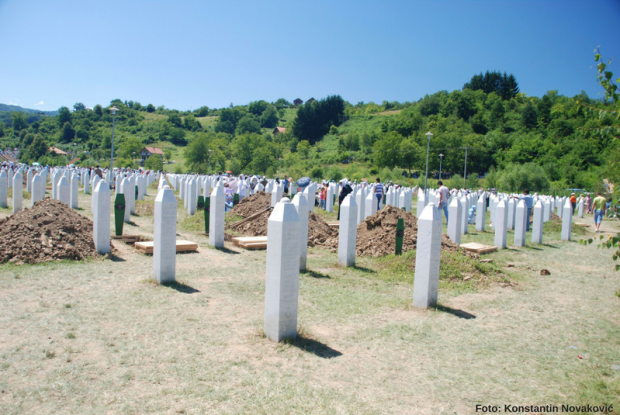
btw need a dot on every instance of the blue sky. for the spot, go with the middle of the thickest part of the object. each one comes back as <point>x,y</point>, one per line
<point>185,54</point>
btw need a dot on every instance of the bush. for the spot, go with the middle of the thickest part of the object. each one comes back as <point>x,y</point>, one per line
<point>335,173</point>
<point>317,173</point>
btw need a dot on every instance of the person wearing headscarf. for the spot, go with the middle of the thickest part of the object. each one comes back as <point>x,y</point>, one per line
<point>242,187</point>
<point>346,189</point>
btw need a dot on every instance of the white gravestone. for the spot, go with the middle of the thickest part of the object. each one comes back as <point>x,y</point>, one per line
<point>360,197</point>
<point>10,178</point>
<point>547,210</point>
<point>191,195</point>
<point>501,216</point>
<point>29,181</point>
<point>301,206</point>
<point>164,238</point>
<point>86,182</point>
<point>347,232</point>
<point>521,219</point>
<point>216,217</point>
<point>75,187</point>
<point>130,197</point>
<point>511,214</point>
<point>101,217</point>
<point>567,220</point>
<point>329,199</point>
<point>63,191</point>
<point>481,209</point>
<point>311,196</point>
<point>37,187</point>
<point>125,188</point>
<point>428,255</point>
<point>371,204</point>
<point>464,213</point>
<point>282,276</point>
<point>537,226</point>
<point>455,211</point>
<point>421,204</point>
<point>580,211</point>
<point>18,193</point>
<point>4,188</point>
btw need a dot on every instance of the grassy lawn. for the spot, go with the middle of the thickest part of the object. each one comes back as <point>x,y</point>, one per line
<point>100,337</point>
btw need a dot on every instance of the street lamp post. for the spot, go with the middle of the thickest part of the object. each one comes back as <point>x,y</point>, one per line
<point>440,160</point>
<point>428,146</point>
<point>209,162</point>
<point>113,110</point>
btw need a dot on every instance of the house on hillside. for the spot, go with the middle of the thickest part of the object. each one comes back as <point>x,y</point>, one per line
<point>297,102</point>
<point>311,100</point>
<point>147,152</point>
<point>58,151</point>
<point>278,130</point>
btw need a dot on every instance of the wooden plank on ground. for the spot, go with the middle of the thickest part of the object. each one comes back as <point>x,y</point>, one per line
<point>249,239</point>
<point>478,248</point>
<point>182,246</point>
<point>333,224</point>
<point>254,245</point>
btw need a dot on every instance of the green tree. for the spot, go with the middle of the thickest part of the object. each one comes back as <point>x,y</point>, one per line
<point>19,121</point>
<point>386,151</point>
<point>154,162</point>
<point>150,108</point>
<point>529,117</point>
<point>168,154</point>
<point>497,114</point>
<point>248,124</point>
<point>409,154</point>
<point>78,106</point>
<point>64,116</point>
<point>315,119</point>
<point>130,146</point>
<point>303,148</point>
<point>262,160</point>
<point>269,119</point>
<point>257,107</point>
<point>544,110</point>
<point>68,133</point>
<point>98,110</point>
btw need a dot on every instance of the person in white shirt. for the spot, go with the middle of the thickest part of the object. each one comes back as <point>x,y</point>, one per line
<point>444,193</point>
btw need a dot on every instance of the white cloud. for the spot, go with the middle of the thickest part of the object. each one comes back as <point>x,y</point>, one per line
<point>39,103</point>
<point>13,102</point>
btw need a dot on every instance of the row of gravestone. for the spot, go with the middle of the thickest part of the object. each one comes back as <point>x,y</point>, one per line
<point>508,212</point>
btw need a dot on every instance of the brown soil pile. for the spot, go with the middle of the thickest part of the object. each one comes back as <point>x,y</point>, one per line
<point>252,204</point>
<point>376,235</point>
<point>145,208</point>
<point>554,217</point>
<point>320,233</point>
<point>49,231</point>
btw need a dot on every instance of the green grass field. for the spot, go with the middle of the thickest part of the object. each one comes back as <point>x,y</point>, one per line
<point>100,337</point>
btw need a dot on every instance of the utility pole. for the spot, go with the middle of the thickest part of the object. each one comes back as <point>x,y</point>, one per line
<point>440,160</point>
<point>465,172</point>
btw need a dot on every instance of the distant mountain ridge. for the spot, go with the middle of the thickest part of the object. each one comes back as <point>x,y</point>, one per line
<point>14,108</point>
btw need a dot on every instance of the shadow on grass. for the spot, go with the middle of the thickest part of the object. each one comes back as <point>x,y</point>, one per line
<point>180,287</point>
<point>551,246</point>
<point>116,258</point>
<point>364,269</point>
<point>459,313</point>
<point>315,274</point>
<point>313,346</point>
<point>225,250</point>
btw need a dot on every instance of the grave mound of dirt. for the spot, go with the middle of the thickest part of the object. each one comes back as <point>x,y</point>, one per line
<point>49,231</point>
<point>376,235</point>
<point>250,205</point>
<point>319,232</point>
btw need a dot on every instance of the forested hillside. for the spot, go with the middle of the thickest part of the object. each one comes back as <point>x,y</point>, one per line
<point>516,141</point>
